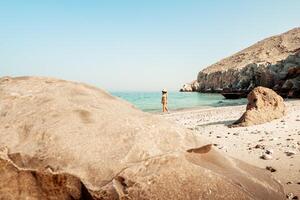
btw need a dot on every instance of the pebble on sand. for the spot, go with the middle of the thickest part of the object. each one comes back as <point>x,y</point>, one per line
<point>290,153</point>
<point>271,169</point>
<point>266,157</point>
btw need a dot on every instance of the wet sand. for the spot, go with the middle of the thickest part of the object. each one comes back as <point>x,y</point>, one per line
<point>278,140</point>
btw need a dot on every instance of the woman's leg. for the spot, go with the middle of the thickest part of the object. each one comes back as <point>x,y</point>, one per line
<point>165,107</point>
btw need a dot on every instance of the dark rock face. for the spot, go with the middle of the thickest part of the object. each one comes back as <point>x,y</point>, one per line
<point>283,77</point>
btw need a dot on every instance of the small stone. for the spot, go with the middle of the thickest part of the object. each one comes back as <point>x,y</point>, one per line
<point>269,151</point>
<point>266,157</point>
<point>259,146</point>
<point>291,196</point>
<point>261,140</point>
<point>271,169</point>
<point>236,134</point>
<point>218,136</point>
<point>290,153</point>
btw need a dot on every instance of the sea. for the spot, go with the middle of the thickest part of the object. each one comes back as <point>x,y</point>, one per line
<point>151,101</point>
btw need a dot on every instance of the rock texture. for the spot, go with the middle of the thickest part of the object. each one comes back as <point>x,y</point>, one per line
<point>264,105</point>
<point>19,183</point>
<point>273,62</point>
<point>76,136</point>
<point>190,87</point>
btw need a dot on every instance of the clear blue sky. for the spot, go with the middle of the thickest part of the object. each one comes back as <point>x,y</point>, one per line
<point>133,45</point>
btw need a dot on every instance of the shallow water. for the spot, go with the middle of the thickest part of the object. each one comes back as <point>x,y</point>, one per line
<point>150,101</point>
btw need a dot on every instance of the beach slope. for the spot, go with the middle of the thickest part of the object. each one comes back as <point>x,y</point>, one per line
<point>280,138</point>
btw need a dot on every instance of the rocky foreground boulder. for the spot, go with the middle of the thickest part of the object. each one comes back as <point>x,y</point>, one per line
<point>264,105</point>
<point>66,140</point>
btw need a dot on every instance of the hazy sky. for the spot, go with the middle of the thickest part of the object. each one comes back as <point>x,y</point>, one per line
<point>133,45</point>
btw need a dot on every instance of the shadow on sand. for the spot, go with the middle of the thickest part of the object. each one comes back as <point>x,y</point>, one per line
<point>226,123</point>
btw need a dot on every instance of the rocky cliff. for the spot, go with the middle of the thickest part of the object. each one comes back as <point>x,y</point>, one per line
<point>273,62</point>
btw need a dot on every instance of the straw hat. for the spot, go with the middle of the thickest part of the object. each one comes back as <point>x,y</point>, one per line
<point>164,90</point>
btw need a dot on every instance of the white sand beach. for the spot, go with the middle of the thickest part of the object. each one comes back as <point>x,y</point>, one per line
<point>280,138</point>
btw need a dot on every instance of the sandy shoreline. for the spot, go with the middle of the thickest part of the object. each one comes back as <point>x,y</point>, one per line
<point>249,143</point>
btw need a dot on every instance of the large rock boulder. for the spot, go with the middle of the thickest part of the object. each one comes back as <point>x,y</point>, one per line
<point>264,105</point>
<point>76,136</point>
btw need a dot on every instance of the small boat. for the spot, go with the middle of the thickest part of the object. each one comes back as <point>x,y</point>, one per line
<point>234,94</point>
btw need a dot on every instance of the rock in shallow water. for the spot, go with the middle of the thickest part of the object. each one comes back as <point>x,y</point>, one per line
<point>115,150</point>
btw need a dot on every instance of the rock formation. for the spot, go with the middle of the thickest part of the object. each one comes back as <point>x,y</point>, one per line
<point>264,105</point>
<point>270,63</point>
<point>190,87</point>
<point>94,145</point>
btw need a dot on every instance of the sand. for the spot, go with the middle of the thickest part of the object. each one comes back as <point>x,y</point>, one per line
<point>250,143</point>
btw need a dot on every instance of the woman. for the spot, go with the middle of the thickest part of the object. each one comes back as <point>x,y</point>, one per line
<point>164,100</point>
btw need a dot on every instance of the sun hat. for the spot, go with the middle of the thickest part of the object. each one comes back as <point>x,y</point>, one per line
<point>164,90</point>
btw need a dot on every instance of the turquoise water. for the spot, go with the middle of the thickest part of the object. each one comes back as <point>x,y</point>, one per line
<point>150,101</point>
